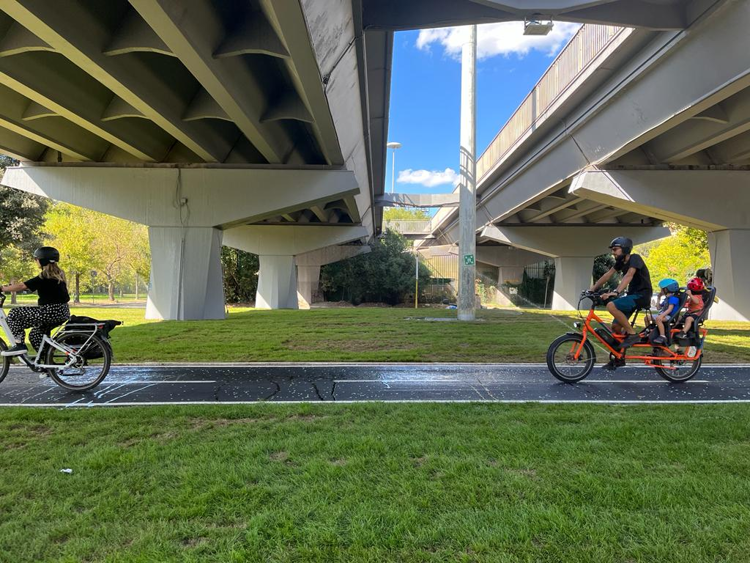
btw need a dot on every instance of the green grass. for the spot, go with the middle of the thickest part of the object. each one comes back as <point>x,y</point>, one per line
<point>86,298</point>
<point>361,334</point>
<point>377,483</point>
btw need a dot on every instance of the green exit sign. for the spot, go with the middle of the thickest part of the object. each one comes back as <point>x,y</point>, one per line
<point>469,259</point>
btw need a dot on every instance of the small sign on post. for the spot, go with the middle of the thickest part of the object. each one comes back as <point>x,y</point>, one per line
<point>469,259</point>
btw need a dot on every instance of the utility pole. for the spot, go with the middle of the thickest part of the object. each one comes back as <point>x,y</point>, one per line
<point>467,210</point>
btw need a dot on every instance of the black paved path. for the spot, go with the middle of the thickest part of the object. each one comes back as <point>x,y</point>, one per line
<point>191,384</point>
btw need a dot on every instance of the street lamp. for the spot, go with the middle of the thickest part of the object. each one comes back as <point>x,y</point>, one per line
<point>393,145</point>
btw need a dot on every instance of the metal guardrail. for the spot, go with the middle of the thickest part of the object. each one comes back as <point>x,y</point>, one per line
<point>572,61</point>
<point>407,227</point>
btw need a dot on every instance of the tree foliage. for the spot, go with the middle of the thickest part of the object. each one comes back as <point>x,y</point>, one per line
<point>21,215</point>
<point>240,275</point>
<point>16,265</point>
<point>678,256</point>
<point>385,275</point>
<point>404,214</point>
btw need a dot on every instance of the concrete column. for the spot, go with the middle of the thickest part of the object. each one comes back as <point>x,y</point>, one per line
<point>731,270</point>
<point>186,281</point>
<point>572,275</point>
<point>277,283</point>
<point>467,213</point>
<point>308,282</point>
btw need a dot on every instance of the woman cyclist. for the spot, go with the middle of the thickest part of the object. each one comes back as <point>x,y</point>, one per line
<point>53,303</point>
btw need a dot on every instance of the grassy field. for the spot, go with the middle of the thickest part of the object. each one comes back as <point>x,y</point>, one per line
<point>377,482</point>
<point>363,334</point>
<point>86,298</point>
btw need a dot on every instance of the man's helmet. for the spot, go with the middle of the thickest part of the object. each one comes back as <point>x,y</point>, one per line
<point>669,285</point>
<point>47,255</point>
<point>696,284</point>
<point>622,242</point>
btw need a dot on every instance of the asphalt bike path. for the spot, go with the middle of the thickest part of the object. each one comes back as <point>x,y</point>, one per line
<point>249,383</point>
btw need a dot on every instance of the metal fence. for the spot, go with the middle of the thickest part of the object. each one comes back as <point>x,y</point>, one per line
<point>581,51</point>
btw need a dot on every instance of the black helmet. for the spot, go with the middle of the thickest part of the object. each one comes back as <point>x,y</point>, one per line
<point>622,242</point>
<point>47,255</point>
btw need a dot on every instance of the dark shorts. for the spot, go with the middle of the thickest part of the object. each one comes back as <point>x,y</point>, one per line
<point>629,303</point>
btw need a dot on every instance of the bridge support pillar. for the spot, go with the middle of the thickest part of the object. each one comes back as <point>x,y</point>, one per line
<point>277,283</point>
<point>186,281</point>
<point>731,270</point>
<point>572,275</point>
<point>308,282</point>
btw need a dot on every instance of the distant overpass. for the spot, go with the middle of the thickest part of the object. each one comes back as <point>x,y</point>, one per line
<point>258,124</point>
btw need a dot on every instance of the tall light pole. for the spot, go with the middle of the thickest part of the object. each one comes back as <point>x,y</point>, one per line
<point>393,145</point>
<point>467,208</point>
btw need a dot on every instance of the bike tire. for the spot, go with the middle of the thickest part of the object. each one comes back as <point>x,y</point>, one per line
<point>579,368</point>
<point>73,378</point>
<point>5,367</point>
<point>675,376</point>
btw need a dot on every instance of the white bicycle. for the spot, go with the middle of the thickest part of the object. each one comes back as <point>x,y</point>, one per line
<point>75,357</point>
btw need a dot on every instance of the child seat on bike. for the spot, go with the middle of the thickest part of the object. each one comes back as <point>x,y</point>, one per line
<point>671,323</point>
<point>693,337</point>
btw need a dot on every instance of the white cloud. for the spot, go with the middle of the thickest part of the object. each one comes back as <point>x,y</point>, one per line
<point>429,178</point>
<point>505,38</point>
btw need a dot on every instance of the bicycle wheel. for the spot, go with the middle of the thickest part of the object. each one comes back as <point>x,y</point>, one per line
<point>678,371</point>
<point>92,361</point>
<point>5,366</point>
<point>562,363</point>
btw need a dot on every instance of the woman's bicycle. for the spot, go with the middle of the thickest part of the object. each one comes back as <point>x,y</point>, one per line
<point>571,357</point>
<point>76,357</point>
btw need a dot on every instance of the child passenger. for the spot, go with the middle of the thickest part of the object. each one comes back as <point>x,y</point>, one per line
<point>669,307</point>
<point>694,303</point>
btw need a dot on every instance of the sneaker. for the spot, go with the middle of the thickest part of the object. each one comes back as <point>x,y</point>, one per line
<point>630,339</point>
<point>16,350</point>
<point>660,340</point>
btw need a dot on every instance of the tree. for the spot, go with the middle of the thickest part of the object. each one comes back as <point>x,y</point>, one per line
<point>72,231</point>
<point>21,214</point>
<point>16,265</point>
<point>386,274</point>
<point>404,214</point>
<point>678,256</point>
<point>240,275</point>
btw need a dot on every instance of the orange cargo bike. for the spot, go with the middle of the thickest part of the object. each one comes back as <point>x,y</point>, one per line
<point>571,357</point>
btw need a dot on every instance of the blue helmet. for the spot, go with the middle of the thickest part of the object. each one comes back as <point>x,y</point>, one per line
<point>669,285</point>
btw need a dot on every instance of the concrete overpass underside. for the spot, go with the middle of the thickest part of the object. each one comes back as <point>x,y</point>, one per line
<point>199,119</point>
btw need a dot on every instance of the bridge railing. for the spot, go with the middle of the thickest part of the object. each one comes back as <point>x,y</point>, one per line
<point>407,227</point>
<point>573,60</point>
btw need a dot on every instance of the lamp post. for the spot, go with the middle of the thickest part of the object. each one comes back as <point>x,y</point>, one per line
<point>467,211</point>
<point>394,146</point>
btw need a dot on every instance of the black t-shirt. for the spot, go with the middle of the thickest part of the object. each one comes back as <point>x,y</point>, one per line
<point>50,291</point>
<point>641,282</point>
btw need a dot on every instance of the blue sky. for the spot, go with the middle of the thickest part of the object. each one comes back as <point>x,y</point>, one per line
<point>426,95</point>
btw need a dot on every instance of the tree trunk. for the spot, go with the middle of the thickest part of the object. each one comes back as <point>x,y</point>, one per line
<point>77,298</point>
<point>136,286</point>
<point>13,294</point>
<point>111,290</point>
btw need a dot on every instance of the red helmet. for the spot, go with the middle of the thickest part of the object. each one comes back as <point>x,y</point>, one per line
<point>696,284</point>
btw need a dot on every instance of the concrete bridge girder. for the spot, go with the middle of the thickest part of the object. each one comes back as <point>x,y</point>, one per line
<point>574,250</point>
<point>717,201</point>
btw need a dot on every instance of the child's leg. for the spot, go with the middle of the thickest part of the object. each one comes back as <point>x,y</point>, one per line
<point>688,324</point>
<point>660,324</point>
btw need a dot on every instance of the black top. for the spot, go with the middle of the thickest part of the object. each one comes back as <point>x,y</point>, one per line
<point>50,291</point>
<point>641,282</point>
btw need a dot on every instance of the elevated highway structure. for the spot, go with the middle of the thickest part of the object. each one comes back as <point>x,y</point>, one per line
<point>629,128</point>
<point>259,124</point>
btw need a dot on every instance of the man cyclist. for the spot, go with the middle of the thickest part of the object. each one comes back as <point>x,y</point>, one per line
<point>638,281</point>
